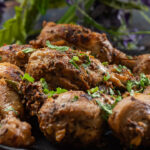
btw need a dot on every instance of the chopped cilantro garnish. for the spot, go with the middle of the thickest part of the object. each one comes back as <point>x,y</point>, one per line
<point>129,86</point>
<point>58,91</point>
<point>0,58</point>
<point>10,108</point>
<point>75,99</point>
<point>118,99</point>
<point>27,77</point>
<point>28,50</point>
<point>120,68</point>
<point>73,61</point>
<point>44,83</point>
<point>111,91</point>
<point>59,48</point>
<point>130,57</point>
<point>105,63</point>
<point>107,77</point>
<point>88,62</point>
<point>93,90</point>
<point>106,108</point>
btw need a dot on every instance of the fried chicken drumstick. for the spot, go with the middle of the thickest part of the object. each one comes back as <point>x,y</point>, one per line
<point>13,132</point>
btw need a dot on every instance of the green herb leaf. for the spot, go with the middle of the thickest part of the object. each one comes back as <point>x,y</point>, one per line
<point>10,108</point>
<point>93,90</point>
<point>73,61</point>
<point>0,58</point>
<point>59,48</point>
<point>88,62</point>
<point>28,50</point>
<point>111,91</point>
<point>27,77</point>
<point>105,107</point>
<point>44,83</point>
<point>75,99</point>
<point>107,77</point>
<point>105,63</point>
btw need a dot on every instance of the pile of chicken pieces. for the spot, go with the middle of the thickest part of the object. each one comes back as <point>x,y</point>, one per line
<point>90,72</point>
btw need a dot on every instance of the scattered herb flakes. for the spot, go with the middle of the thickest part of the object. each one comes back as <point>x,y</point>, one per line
<point>0,58</point>
<point>10,108</point>
<point>58,48</point>
<point>27,77</point>
<point>119,68</point>
<point>58,91</point>
<point>73,61</point>
<point>130,57</point>
<point>44,83</point>
<point>93,90</point>
<point>75,99</point>
<point>88,62</point>
<point>117,99</point>
<point>106,108</point>
<point>28,50</point>
<point>107,77</point>
<point>105,63</point>
<point>129,86</point>
<point>111,91</point>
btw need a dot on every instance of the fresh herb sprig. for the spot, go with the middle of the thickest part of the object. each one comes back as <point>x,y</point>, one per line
<point>58,48</point>
<point>27,77</point>
<point>48,92</point>
<point>74,60</point>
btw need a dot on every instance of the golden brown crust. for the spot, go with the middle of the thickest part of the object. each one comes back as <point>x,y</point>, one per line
<point>69,120</point>
<point>14,54</point>
<point>131,121</point>
<point>84,39</point>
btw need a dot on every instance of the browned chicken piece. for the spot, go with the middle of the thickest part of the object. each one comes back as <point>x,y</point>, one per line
<point>143,64</point>
<point>81,38</point>
<point>70,70</point>
<point>72,118</point>
<point>33,96</point>
<point>10,72</point>
<point>15,55</point>
<point>13,132</point>
<point>130,120</point>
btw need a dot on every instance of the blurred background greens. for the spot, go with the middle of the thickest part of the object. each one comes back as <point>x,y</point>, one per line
<point>126,22</point>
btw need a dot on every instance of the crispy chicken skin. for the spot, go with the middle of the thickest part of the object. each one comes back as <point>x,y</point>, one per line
<point>56,68</point>
<point>13,132</point>
<point>14,54</point>
<point>71,118</point>
<point>130,120</point>
<point>10,72</point>
<point>142,64</point>
<point>81,38</point>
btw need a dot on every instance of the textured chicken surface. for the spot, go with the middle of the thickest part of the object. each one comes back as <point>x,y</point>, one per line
<point>142,64</point>
<point>131,120</point>
<point>81,38</point>
<point>13,132</point>
<point>60,70</point>
<point>10,72</point>
<point>71,118</point>
<point>14,54</point>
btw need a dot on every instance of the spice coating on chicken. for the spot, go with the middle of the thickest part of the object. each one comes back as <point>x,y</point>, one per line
<point>10,72</point>
<point>71,118</point>
<point>131,120</point>
<point>60,70</point>
<point>142,64</point>
<point>15,55</point>
<point>81,38</point>
<point>13,132</point>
